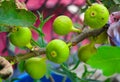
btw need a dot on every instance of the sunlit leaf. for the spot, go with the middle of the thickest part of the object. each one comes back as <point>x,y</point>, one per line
<point>11,16</point>
<point>107,59</point>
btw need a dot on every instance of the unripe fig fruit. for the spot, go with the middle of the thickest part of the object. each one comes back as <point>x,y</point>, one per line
<point>0,80</point>
<point>21,36</point>
<point>102,38</point>
<point>96,16</point>
<point>35,67</point>
<point>57,51</point>
<point>87,51</point>
<point>62,25</point>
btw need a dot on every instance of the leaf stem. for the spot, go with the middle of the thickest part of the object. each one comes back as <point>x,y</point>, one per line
<point>42,23</point>
<point>73,77</point>
<point>51,79</point>
<point>43,42</point>
<point>76,65</point>
<point>35,43</point>
<point>64,79</point>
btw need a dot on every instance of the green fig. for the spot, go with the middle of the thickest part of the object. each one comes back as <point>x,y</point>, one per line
<point>20,36</point>
<point>86,51</point>
<point>62,25</point>
<point>57,51</point>
<point>96,16</point>
<point>0,80</point>
<point>35,67</point>
<point>102,38</point>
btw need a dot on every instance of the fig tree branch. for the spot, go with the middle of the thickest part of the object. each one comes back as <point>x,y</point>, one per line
<point>19,57</point>
<point>75,40</point>
<point>87,34</point>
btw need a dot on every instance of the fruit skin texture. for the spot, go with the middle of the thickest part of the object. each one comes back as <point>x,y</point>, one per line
<point>85,52</point>
<point>35,67</point>
<point>62,25</point>
<point>96,16</point>
<point>21,37</point>
<point>57,51</point>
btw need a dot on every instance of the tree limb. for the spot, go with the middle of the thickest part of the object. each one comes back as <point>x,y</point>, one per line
<point>39,51</point>
<point>87,34</point>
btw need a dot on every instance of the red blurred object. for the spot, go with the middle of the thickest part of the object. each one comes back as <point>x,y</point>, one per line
<point>3,44</point>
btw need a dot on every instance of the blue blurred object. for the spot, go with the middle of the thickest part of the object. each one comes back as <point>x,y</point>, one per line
<point>26,78</point>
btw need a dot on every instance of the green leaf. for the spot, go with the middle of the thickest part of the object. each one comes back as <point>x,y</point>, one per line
<point>11,16</point>
<point>92,1</point>
<point>109,3</point>
<point>4,29</point>
<point>41,41</point>
<point>87,72</point>
<point>114,8</point>
<point>35,43</point>
<point>21,66</point>
<point>43,21</point>
<point>108,80</point>
<point>77,25</point>
<point>84,9</point>
<point>107,59</point>
<point>76,65</point>
<point>49,69</point>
